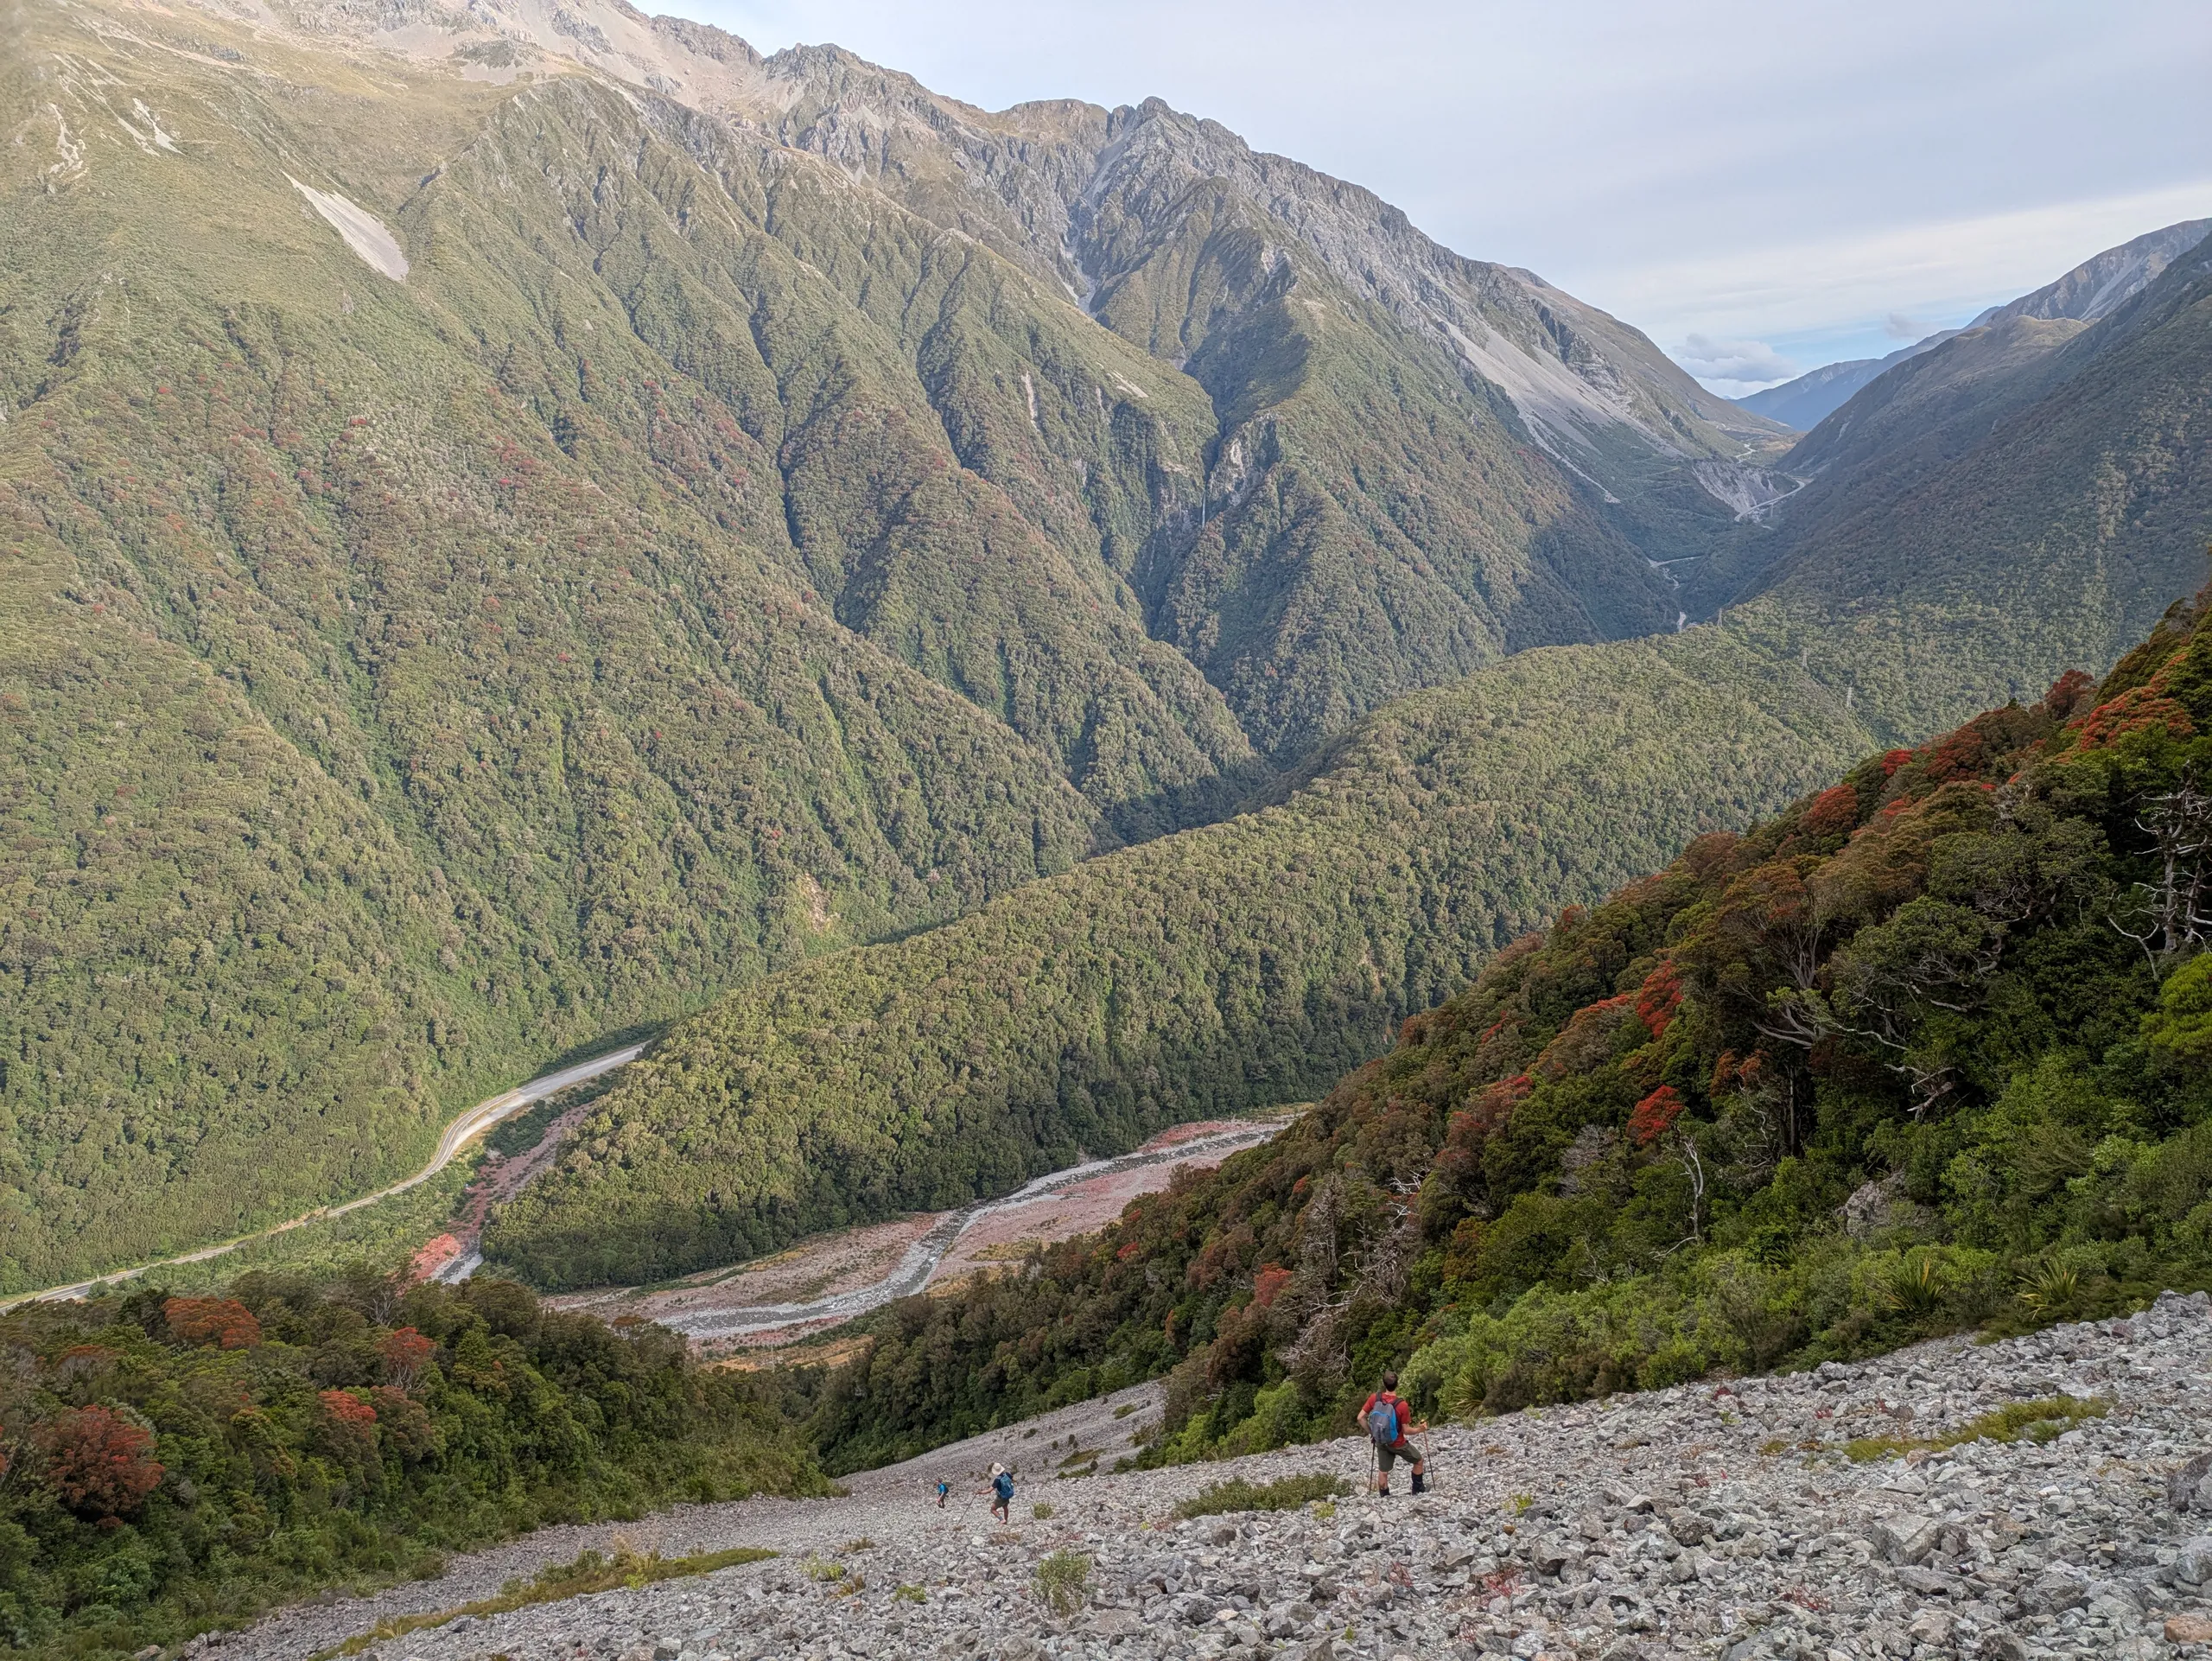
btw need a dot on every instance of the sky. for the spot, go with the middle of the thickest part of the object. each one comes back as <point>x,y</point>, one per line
<point>1762,189</point>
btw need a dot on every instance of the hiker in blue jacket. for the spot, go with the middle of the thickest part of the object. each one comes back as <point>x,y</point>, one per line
<point>1389,1423</point>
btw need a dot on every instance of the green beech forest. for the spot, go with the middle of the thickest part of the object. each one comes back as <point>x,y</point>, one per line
<point>981,719</point>
<point>705,558</point>
<point>696,564</point>
<point>1247,963</point>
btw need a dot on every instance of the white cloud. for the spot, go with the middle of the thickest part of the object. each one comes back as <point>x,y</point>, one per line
<point>1898,326</point>
<point>1948,269</point>
<point>1744,364</point>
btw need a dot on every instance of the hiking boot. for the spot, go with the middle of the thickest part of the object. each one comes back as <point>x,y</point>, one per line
<point>1418,1486</point>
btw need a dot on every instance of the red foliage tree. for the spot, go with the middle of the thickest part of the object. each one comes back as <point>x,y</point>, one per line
<point>1834,812</point>
<point>1654,1115</point>
<point>2137,709</point>
<point>96,1461</point>
<point>1267,1283</point>
<point>1731,1072</point>
<point>349,1425</point>
<point>1222,1255</point>
<point>1460,1160</point>
<point>405,1353</point>
<point>405,1423</point>
<point>1587,1036</point>
<point>223,1322</point>
<point>2069,694</point>
<point>1658,998</point>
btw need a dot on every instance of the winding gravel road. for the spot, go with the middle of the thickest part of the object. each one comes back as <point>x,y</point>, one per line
<point>458,1135</point>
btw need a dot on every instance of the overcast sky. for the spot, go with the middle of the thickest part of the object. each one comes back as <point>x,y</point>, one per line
<point>1760,188</point>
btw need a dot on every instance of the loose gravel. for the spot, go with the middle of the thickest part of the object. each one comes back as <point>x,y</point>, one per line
<point>1723,1522</point>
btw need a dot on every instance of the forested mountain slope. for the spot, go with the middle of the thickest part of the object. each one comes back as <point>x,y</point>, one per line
<point>1247,964</point>
<point>1413,460</point>
<point>2023,498</point>
<point>404,680</point>
<point>1923,1052</point>
<point>519,521</point>
<point>1908,426</point>
<point>181,1464</point>
<point>2098,285</point>
<point>496,555</point>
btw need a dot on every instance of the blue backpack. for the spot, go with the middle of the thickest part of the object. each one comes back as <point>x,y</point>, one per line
<point>1382,1422</point>
<point>1002,1485</point>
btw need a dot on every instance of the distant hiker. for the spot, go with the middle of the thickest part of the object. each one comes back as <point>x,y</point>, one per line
<point>1387,1421</point>
<point>943,1489</point>
<point>1001,1494</point>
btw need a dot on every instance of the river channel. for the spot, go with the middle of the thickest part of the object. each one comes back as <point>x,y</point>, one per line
<point>841,1276</point>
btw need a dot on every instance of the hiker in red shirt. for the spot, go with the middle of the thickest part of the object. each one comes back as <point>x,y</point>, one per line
<point>1387,1421</point>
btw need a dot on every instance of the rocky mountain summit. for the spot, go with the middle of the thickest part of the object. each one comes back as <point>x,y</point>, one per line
<point>1849,1513</point>
<point>1085,195</point>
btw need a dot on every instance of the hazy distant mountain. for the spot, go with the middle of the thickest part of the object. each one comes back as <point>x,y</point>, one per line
<point>1916,418</point>
<point>1803,404</point>
<point>2029,494</point>
<point>2083,294</point>
<point>1366,384</point>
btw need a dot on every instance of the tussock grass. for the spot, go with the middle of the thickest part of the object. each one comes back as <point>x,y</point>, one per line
<point>2039,1421</point>
<point>590,1572</point>
<point>1289,1494</point>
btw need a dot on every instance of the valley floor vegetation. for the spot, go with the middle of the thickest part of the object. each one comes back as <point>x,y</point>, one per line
<point>1923,1053</point>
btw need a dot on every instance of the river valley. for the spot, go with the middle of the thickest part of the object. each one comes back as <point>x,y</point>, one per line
<point>833,1277</point>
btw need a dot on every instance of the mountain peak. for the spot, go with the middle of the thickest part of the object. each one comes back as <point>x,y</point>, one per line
<point>1591,390</point>
<point>2099,285</point>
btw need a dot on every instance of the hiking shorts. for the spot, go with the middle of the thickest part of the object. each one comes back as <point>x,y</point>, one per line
<point>1400,1449</point>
